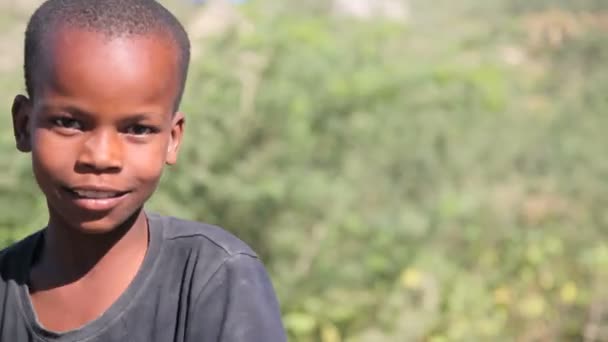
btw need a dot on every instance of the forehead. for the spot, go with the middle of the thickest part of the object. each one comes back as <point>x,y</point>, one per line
<point>83,64</point>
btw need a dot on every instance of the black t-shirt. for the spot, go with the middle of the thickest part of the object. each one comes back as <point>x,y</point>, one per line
<point>196,283</point>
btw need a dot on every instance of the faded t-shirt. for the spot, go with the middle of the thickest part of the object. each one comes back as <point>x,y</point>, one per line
<point>197,283</point>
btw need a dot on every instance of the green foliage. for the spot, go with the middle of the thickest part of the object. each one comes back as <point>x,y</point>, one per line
<point>425,180</point>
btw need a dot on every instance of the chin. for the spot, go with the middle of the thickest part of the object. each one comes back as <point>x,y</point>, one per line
<point>99,227</point>
<point>111,223</point>
<point>97,223</point>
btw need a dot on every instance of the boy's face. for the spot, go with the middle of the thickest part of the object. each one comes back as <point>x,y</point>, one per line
<point>101,125</point>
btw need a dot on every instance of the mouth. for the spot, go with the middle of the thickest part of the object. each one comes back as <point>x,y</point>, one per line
<point>96,199</point>
<point>95,194</point>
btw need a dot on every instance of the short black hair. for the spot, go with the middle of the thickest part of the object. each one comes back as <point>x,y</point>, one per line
<point>113,18</point>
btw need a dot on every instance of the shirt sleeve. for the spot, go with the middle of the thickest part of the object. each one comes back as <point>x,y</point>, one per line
<point>238,304</point>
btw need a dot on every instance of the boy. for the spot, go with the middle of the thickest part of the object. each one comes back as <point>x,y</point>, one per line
<point>104,80</point>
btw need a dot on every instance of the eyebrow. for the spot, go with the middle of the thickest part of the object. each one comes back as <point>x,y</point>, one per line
<point>70,109</point>
<point>83,113</point>
<point>137,117</point>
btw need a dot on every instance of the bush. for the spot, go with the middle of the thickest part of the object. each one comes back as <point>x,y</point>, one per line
<point>402,181</point>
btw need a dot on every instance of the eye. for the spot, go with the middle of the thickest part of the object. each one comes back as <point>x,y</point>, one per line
<point>66,122</point>
<point>140,130</point>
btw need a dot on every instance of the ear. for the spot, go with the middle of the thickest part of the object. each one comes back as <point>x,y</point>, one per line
<point>22,110</point>
<point>177,132</point>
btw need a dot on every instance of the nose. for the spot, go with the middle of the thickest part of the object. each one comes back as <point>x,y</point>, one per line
<point>101,152</point>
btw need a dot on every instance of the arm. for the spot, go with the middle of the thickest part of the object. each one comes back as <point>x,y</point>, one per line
<point>238,305</point>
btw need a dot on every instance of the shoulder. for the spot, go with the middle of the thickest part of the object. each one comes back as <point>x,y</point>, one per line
<point>209,256</point>
<point>202,235</point>
<point>16,257</point>
<point>21,248</point>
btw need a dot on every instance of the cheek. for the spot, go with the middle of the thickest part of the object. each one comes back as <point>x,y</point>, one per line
<point>147,162</point>
<point>50,155</point>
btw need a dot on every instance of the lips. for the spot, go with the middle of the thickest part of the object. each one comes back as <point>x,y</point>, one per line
<point>96,198</point>
<point>96,194</point>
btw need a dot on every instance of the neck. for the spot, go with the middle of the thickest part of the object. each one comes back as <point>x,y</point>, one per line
<point>69,255</point>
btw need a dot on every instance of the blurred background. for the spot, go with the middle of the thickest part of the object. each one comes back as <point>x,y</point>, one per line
<point>409,170</point>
